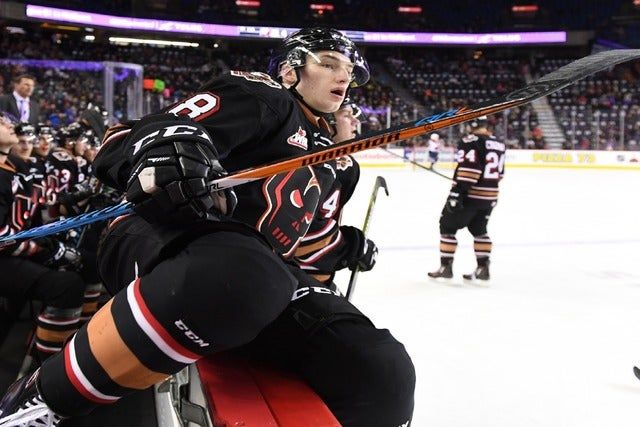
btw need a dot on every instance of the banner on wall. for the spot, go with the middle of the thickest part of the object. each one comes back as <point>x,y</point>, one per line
<point>515,158</point>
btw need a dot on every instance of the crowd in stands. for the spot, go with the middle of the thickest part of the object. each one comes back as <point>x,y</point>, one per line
<point>601,111</point>
<point>442,84</point>
<point>591,113</point>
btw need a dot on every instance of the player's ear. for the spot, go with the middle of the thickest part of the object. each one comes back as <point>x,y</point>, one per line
<point>288,75</point>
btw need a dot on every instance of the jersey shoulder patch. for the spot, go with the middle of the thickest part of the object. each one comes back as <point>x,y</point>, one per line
<point>470,138</point>
<point>256,76</point>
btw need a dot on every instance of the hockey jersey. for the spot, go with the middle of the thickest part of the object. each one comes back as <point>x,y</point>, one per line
<point>324,247</point>
<point>480,168</point>
<point>17,203</point>
<point>252,120</point>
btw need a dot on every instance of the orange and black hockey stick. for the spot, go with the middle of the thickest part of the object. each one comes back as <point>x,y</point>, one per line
<point>549,83</point>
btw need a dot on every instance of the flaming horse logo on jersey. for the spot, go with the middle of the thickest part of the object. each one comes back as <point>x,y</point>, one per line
<point>289,210</point>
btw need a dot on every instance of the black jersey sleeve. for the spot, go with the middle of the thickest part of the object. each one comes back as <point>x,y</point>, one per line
<point>236,111</point>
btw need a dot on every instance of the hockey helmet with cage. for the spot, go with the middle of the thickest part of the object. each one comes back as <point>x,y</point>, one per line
<point>296,47</point>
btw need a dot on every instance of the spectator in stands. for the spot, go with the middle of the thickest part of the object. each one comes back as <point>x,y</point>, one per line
<point>19,102</point>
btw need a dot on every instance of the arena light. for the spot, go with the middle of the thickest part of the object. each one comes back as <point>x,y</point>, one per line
<point>154,42</point>
<point>15,30</point>
<point>525,8</point>
<point>89,37</point>
<point>410,9</point>
<point>59,27</point>
<point>263,32</point>
<point>321,7</point>
<point>247,3</point>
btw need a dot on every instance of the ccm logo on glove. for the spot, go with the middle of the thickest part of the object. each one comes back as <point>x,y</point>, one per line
<point>168,131</point>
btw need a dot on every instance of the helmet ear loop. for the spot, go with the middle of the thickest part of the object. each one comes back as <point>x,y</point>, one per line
<point>293,86</point>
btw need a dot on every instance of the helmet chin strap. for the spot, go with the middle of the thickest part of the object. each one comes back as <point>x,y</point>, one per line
<point>300,98</point>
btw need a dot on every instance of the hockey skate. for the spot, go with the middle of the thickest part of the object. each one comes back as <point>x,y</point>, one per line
<point>479,275</point>
<point>444,273</point>
<point>23,406</point>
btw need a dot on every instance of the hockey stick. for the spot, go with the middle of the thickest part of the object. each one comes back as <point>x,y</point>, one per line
<point>549,83</point>
<point>380,183</point>
<point>421,166</point>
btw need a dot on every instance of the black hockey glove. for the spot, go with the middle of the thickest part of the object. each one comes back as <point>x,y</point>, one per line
<point>54,254</point>
<point>454,202</point>
<point>173,159</point>
<point>78,193</point>
<point>363,251</point>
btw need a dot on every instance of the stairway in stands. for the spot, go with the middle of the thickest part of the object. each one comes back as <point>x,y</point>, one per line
<point>547,121</point>
<point>382,76</point>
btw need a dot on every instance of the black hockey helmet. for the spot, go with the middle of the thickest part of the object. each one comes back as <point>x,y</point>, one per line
<point>295,48</point>
<point>25,129</point>
<point>479,122</point>
<point>45,129</point>
<point>356,111</point>
<point>69,133</point>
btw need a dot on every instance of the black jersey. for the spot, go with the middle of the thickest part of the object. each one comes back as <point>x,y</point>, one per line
<point>480,168</point>
<point>64,171</point>
<point>252,120</point>
<point>85,169</point>
<point>17,202</point>
<point>323,247</point>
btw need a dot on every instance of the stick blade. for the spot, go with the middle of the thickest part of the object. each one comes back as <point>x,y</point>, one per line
<point>382,183</point>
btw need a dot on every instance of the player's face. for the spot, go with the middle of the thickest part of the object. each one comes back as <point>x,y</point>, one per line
<point>80,146</point>
<point>44,146</point>
<point>90,153</point>
<point>8,137</point>
<point>324,80</point>
<point>346,124</point>
<point>24,147</point>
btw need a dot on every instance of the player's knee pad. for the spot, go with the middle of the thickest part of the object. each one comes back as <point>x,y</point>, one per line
<point>478,230</point>
<point>377,375</point>
<point>223,288</point>
<point>449,223</point>
<point>61,289</point>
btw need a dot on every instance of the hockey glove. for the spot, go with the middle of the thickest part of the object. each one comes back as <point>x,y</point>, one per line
<point>56,255</point>
<point>79,193</point>
<point>173,159</point>
<point>454,202</point>
<point>363,253</point>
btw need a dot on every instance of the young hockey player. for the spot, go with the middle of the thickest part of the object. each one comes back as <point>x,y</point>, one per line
<point>189,281</point>
<point>473,196</point>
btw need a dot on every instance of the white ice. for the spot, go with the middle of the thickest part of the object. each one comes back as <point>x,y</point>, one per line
<point>552,340</point>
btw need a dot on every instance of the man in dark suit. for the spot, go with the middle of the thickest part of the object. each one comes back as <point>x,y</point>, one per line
<point>19,103</point>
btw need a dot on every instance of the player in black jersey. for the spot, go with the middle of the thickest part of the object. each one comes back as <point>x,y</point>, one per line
<point>330,246</point>
<point>34,268</point>
<point>473,196</point>
<point>190,281</point>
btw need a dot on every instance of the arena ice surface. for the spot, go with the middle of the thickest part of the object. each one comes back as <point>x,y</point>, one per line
<point>553,339</point>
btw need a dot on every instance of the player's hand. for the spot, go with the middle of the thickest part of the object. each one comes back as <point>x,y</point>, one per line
<point>57,255</point>
<point>364,251</point>
<point>454,202</point>
<point>171,171</point>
